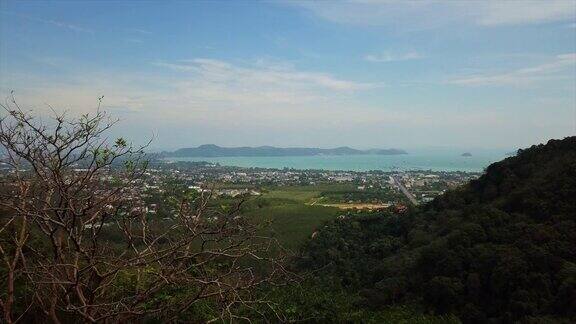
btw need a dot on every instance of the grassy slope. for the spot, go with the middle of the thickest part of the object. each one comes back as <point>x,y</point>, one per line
<point>292,219</point>
<point>292,223</point>
<point>289,210</point>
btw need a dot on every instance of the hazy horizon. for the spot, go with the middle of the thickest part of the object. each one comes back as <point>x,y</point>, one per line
<point>364,74</point>
<point>408,148</point>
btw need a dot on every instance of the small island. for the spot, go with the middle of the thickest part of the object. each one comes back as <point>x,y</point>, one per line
<point>467,154</point>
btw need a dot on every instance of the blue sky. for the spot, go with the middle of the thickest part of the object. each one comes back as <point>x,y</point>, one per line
<point>490,74</point>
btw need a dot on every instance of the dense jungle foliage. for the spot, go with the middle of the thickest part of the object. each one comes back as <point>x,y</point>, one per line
<point>501,249</point>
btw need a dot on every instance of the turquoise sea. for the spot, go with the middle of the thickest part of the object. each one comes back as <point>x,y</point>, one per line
<point>424,159</point>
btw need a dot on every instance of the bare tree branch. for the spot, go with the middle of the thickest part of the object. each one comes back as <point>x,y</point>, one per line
<point>74,233</point>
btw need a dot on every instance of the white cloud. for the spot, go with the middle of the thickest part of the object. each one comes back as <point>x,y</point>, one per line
<point>561,66</point>
<point>56,23</point>
<point>197,90</point>
<point>134,40</point>
<point>199,101</point>
<point>140,31</point>
<point>525,12</point>
<point>431,13</point>
<point>260,79</point>
<point>390,57</point>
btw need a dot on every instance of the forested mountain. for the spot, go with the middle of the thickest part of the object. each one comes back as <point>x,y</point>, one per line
<point>501,249</point>
<point>211,150</point>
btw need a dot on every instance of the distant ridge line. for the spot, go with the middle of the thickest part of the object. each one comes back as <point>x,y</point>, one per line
<point>212,150</point>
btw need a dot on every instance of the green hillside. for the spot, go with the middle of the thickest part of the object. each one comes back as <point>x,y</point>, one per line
<point>501,249</point>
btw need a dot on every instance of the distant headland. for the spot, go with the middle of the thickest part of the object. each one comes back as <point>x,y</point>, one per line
<point>211,150</point>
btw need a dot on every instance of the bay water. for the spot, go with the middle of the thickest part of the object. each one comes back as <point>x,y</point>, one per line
<point>422,159</point>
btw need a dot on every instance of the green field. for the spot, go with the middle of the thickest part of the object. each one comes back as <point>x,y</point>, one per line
<point>295,212</point>
<point>292,223</point>
<point>292,219</point>
<point>306,194</point>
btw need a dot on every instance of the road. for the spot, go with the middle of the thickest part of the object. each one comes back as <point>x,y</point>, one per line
<point>405,191</point>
